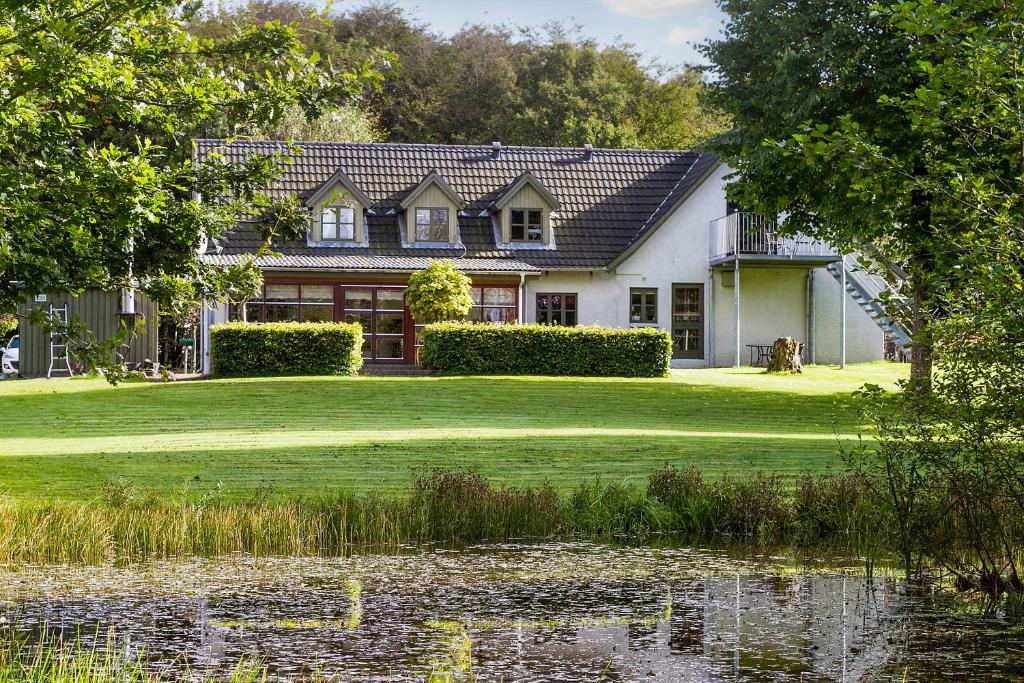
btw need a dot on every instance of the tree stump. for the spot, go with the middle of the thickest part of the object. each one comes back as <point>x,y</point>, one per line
<point>785,356</point>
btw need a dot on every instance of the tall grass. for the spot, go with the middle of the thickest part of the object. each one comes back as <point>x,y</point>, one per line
<point>50,660</point>
<point>442,505</point>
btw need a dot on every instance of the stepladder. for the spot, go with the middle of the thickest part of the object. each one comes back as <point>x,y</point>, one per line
<point>60,358</point>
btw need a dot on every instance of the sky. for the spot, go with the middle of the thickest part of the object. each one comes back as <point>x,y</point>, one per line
<point>666,29</point>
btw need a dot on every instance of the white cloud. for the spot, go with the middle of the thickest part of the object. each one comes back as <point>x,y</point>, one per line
<point>649,9</point>
<point>694,32</point>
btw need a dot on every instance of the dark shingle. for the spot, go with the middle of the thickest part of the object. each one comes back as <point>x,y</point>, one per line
<point>607,203</point>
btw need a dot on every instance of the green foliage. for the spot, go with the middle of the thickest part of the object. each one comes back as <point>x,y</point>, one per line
<point>347,124</point>
<point>799,82</point>
<point>523,86</point>
<point>8,326</point>
<point>260,350</point>
<point>439,292</point>
<point>494,349</point>
<point>101,103</point>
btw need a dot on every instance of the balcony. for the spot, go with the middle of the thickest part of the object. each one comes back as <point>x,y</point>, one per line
<point>754,239</point>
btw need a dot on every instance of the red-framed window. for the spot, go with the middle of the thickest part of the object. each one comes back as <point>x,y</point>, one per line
<point>289,302</point>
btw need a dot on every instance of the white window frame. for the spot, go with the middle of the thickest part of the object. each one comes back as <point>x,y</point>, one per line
<point>429,210</point>
<point>526,225</point>
<point>336,212</point>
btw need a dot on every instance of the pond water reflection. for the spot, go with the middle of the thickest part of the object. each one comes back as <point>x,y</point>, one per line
<point>520,613</point>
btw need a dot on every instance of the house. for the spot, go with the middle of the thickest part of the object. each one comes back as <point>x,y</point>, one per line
<point>551,235</point>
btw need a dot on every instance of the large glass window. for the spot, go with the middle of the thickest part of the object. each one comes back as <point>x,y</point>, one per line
<point>290,302</point>
<point>381,312</point>
<point>493,304</point>
<point>338,223</point>
<point>643,305</point>
<point>432,225</point>
<point>556,309</point>
<point>527,225</point>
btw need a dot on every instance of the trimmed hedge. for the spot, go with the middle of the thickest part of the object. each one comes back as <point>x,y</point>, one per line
<point>266,349</point>
<point>495,349</point>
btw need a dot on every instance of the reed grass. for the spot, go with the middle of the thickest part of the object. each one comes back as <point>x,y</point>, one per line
<point>51,660</point>
<point>442,505</point>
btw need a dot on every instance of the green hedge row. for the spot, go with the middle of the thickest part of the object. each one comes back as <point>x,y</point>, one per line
<point>260,350</point>
<point>494,349</point>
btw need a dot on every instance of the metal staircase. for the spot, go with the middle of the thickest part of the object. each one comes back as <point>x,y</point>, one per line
<point>866,287</point>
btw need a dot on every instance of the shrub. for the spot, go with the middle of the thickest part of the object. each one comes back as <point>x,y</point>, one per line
<point>440,292</point>
<point>829,505</point>
<point>495,349</point>
<point>260,350</point>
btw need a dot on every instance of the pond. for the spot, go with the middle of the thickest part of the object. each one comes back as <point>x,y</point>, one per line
<point>558,612</point>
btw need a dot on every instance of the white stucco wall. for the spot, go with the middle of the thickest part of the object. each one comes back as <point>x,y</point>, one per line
<point>677,253</point>
<point>773,300</point>
<point>864,339</point>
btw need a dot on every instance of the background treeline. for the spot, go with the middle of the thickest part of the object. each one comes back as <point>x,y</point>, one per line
<point>544,85</point>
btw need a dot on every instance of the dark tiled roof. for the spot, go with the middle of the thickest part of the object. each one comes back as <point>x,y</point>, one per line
<point>608,201</point>
<point>320,261</point>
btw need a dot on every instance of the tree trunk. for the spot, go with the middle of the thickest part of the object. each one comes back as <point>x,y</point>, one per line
<point>786,356</point>
<point>922,270</point>
<point>921,351</point>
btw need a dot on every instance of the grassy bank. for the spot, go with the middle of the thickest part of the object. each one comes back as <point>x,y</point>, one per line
<point>62,440</point>
<point>448,506</point>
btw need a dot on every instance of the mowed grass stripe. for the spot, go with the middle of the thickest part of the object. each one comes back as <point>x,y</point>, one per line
<point>63,439</point>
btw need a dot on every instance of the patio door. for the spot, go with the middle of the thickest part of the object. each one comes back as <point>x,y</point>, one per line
<point>688,321</point>
<point>381,312</point>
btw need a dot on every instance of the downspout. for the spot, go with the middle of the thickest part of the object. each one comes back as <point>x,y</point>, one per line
<point>842,314</point>
<point>522,298</point>
<point>736,300</point>
<point>711,319</point>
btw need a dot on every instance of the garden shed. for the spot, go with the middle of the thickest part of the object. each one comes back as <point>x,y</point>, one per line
<point>102,312</point>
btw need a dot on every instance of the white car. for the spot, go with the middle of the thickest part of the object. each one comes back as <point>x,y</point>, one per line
<point>9,360</point>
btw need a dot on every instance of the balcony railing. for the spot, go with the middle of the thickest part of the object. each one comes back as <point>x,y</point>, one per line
<point>748,234</point>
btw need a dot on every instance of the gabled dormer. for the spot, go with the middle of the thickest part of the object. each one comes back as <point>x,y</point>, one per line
<point>523,214</point>
<point>430,214</point>
<point>338,209</point>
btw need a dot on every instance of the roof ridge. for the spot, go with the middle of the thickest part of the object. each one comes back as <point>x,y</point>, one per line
<point>437,145</point>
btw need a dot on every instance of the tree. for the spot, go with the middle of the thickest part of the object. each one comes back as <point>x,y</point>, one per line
<point>523,86</point>
<point>951,464</point>
<point>439,292</point>
<point>796,80</point>
<point>99,104</point>
<point>347,124</point>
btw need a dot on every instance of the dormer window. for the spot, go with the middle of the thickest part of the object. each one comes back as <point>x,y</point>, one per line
<point>432,224</point>
<point>522,214</point>
<point>429,215</point>
<point>338,223</point>
<point>527,225</point>
<point>337,211</point>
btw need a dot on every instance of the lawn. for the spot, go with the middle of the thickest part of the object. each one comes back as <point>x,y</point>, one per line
<point>65,438</point>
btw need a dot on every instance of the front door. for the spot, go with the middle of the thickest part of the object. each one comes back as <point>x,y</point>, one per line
<point>688,321</point>
<point>381,312</point>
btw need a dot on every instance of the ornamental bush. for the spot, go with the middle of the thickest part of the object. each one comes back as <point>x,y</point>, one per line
<point>266,349</point>
<point>439,292</point>
<point>494,349</point>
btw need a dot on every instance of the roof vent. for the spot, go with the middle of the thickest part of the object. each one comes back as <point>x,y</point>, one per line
<point>496,150</point>
<point>588,152</point>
